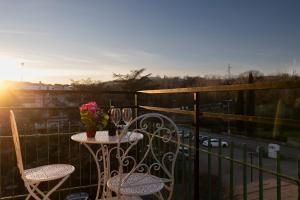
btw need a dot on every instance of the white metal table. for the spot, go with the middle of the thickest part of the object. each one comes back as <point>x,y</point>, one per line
<point>102,154</point>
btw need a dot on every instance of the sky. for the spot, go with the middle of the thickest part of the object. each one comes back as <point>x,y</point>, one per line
<point>59,40</point>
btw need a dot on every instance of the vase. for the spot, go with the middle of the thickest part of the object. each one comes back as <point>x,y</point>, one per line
<point>90,134</point>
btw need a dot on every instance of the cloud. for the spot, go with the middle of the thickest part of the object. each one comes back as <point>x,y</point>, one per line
<point>22,32</point>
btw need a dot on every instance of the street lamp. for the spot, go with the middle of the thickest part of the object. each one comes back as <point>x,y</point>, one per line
<point>21,69</point>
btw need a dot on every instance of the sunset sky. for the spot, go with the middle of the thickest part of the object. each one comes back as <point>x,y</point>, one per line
<point>73,39</point>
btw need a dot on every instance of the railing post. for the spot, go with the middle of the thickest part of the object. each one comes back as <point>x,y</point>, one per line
<point>136,112</point>
<point>136,104</point>
<point>196,158</point>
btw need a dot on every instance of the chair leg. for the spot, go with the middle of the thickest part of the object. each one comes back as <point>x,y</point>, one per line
<point>46,197</point>
<point>31,188</point>
<point>40,192</point>
<point>34,188</point>
<point>159,195</point>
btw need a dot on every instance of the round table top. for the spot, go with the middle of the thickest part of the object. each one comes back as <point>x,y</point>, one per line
<point>102,137</point>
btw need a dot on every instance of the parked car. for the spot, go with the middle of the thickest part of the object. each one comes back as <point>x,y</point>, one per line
<point>184,151</point>
<point>214,142</point>
<point>202,138</point>
<point>184,134</point>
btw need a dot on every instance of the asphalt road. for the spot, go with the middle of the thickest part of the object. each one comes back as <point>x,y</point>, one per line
<point>288,162</point>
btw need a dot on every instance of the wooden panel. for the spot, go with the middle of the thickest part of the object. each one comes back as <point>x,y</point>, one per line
<point>231,117</point>
<point>170,110</point>
<point>256,119</point>
<point>222,88</point>
<point>95,92</point>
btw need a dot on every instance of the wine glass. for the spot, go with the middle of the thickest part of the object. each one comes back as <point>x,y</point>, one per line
<point>126,115</point>
<point>116,116</point>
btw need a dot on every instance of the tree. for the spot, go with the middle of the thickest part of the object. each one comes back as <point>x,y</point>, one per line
<point>87,84</point>
<point>134,81</point>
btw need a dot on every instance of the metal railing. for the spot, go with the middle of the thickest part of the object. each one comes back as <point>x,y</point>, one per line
<point>50,144</point>
<point>198,116</point>
<point>190,162</point>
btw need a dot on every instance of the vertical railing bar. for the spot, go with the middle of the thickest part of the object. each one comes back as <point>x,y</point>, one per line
<point>184,164</point>
<point>14,159</point>
<point>90,166</point>
<point>48,147</point>
<point>136,112</point>
<point>231,170</point>
<point>190,165</point>
<point>219,190</point>
<point>58,140</point>
<point>25,147</point>
<point>80,166</point>
<point>209,168</point>
<point>69,149</point>
<point>196,158</point>
<point>244,172</point>
<point>0,161</point>
<point>278,170</point>
<point>251,168</point>
<point>58,149</point>
<point>260,165</point>
<point>298,183</point>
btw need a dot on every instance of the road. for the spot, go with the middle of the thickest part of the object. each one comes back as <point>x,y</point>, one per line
<point>288,162</point>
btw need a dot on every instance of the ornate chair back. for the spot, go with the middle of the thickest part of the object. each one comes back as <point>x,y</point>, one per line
<point>17,145</point>
<point>155,154</point>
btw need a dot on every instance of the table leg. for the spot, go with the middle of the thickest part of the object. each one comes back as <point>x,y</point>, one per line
<point>106,193</point>
<point>98,168</point>
<point>105,158</point>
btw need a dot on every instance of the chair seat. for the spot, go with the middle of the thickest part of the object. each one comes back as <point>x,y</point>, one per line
<point>48,172</point>
<point>137,184</point>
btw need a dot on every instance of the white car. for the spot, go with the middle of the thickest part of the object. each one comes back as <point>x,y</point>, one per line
<point>214,142</point>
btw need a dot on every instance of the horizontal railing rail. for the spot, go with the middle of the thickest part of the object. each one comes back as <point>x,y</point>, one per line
<point>227,88</point>
<point>70,91</point>
<point>59,108</point>
<point>231,117</point>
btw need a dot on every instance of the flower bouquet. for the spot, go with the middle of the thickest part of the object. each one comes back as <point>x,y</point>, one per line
<point>92,118</point>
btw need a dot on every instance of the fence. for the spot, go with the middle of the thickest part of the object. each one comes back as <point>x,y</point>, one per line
<point>48,141</point>
<point>191,160</point>
<point>197,116</point>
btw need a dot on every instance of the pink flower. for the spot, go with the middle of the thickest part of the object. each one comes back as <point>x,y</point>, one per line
<point>90,107</point>
<point>91,117</point>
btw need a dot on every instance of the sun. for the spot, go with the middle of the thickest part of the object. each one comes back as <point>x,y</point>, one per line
<point>10,70</point>
<point>16,70</point>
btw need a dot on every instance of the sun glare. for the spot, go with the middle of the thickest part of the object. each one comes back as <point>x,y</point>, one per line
<point>14,70</point>
<point>10,70</point>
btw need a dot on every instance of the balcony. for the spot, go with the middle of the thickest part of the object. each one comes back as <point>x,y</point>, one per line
<point>238,171</point>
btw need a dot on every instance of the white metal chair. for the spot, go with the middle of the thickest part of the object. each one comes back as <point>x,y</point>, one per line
<point>153,172</point>
<point>34,176</point>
